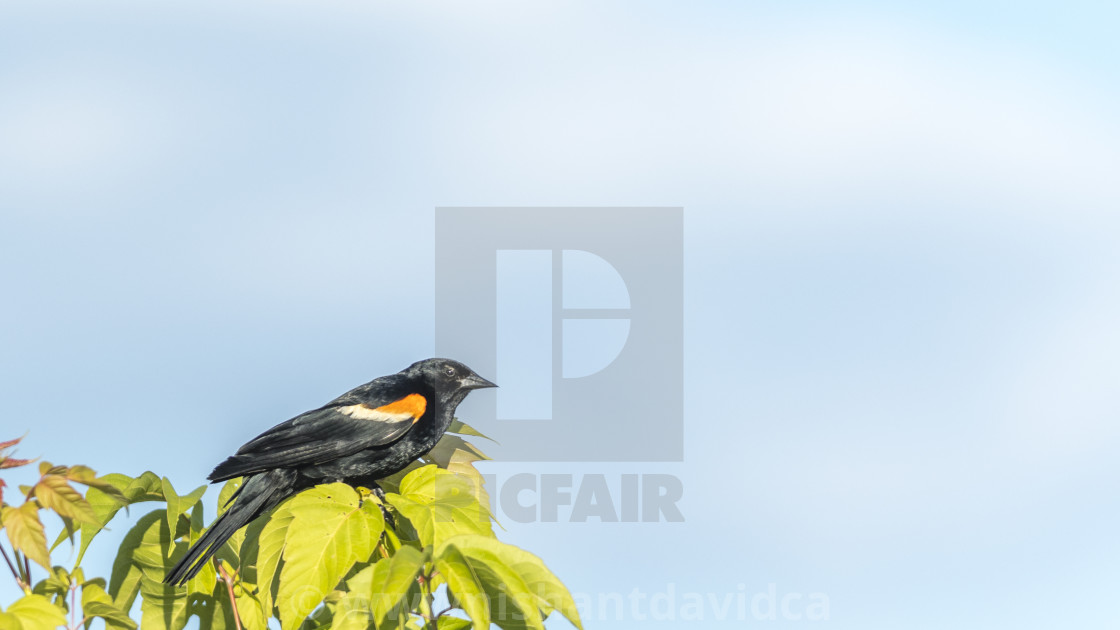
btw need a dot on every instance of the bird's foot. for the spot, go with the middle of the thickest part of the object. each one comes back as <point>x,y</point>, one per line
<point>378,492</point>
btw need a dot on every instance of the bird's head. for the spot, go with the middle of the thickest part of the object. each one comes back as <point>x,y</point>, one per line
<point>450,379</point>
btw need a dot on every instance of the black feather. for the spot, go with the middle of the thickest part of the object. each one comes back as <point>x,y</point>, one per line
<point>258,495</point>
<point>325,445</point>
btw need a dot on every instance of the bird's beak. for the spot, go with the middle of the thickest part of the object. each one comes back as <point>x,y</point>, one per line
<point>475,381</point>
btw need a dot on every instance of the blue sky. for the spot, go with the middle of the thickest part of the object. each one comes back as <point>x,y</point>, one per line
<point>900,248</point>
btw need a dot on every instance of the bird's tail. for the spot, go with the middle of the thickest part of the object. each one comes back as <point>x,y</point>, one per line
<point>259,494</point>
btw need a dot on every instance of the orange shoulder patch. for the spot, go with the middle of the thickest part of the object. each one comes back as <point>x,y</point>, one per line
<point>413,405</point>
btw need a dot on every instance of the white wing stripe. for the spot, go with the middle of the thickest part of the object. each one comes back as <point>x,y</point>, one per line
<point>361,412</point>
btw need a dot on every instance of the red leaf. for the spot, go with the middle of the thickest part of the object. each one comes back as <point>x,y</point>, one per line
<point>9,443</point>
<point>8,462</point>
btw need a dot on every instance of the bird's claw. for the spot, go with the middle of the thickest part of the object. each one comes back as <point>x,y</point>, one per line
<point>379,492</point>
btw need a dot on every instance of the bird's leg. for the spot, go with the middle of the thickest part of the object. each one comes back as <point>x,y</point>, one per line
<point>379,492</point>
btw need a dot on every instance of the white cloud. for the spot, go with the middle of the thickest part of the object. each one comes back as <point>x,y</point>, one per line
<point>802,115</point>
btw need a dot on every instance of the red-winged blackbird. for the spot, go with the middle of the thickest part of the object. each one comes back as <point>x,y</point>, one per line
<point>366,434</point>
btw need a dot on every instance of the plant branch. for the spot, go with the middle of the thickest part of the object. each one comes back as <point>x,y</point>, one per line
<point>426,602</point>
<point>15,574</point>
<point>25,579</point>
<point>229,589</point>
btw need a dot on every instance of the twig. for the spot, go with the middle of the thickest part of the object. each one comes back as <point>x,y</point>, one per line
<point>73,604</point>
<point>15,574</point>
<point>24,573</point>
<point>427,601</point>
<point>27,569</point>
<point>229,588</point>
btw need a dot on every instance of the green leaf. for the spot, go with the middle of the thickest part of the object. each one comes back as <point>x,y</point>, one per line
<point>213,611</point>
<point>228,490</point>
<point>462,428</point>
<point>231,550</point>
<point>108,494</point>
<point>162,607</point>
<point>34,612</point>
<point>243,550</point>
<point>485,590</point>
<point>487,576</point>
<point>321,619</point>
<point>178,505</point>
<point>460,457</point>
<point>105,506</point>
<point>147,487</point>
<point>56,584</point>
<point>352,612</point>
<point>149,551</point>
<point>85,476</point>
<point>205,581</point>
<point>452,623</point>
<point>249,605</point>
<point>331,529</point>
<point>67,533</point>
<point>440,504</point>
<point>25,531</point>
<point>114,617</point>
<point>270,547</point>
<point>453,447</point>
<point>97,603</point>
<point>124,583</point>
<point>47,468</point>
<point>393,587</point>
<point>54,492</point>
<point>392,483</point>
<point>146,555</point>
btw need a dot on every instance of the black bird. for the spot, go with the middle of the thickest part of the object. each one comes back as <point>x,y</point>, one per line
<point>366,434</point>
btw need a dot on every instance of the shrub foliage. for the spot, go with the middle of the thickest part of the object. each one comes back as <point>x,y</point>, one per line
<point>328,558</point>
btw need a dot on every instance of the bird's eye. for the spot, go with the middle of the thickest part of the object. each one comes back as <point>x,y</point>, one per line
<point>449,371</point>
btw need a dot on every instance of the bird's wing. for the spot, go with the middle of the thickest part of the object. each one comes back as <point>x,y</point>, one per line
<point>341,428</point>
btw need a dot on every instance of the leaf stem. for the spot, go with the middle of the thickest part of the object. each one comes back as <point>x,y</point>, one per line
<point>229,589</point>
<point>73,604</point>
<point>24,570</point>
<point>15,574</point>
<point>427,601</point>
